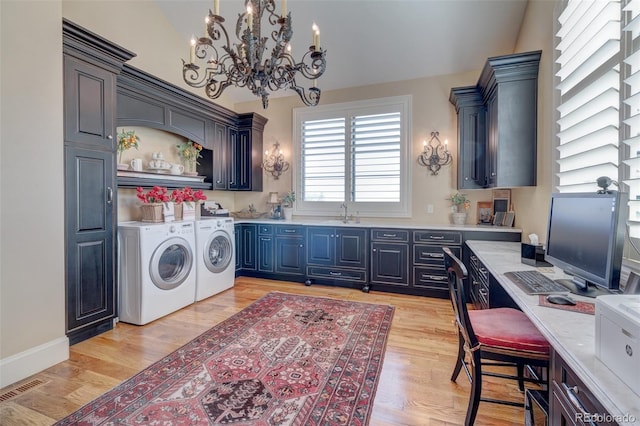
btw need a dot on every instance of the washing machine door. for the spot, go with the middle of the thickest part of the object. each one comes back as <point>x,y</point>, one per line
<point>218,252</point>
<point>171,263</point>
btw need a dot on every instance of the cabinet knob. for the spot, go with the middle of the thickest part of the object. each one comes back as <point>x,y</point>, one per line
<point>374,249</point>
<point>218,181</point>
<point>301,245</point>
<point>110,137</point>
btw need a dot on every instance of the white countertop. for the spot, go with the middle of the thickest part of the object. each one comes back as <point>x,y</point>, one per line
<point>381,224</point>
<point>571,334</point>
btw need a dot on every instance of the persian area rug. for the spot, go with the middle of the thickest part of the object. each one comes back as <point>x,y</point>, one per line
<point>284,360</point>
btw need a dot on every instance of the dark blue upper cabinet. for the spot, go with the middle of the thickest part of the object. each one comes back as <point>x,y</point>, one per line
<point>497,124</point>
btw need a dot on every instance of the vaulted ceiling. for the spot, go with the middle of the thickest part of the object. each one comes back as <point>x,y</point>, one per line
<point>377,41</point>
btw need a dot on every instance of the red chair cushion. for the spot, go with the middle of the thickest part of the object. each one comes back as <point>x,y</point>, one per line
<point>507,328</point>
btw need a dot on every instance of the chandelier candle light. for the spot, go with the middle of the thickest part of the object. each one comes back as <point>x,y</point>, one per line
<point>434,156</point>
<point>247,63</point>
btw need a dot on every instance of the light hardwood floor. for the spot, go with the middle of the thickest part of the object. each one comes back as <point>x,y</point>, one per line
<point>414,386</point>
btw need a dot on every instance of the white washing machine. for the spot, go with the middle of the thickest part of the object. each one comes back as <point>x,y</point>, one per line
<point>157,271</point>
<point>215,256</point>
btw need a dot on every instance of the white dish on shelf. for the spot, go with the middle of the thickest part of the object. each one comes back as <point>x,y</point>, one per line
<point>123,166</point>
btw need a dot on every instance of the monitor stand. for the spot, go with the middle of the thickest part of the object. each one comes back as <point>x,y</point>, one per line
<point>589,290</point>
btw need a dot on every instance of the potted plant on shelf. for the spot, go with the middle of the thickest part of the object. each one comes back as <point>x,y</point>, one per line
<point>126,140</point>
<point>459,208</point>
<point>287,200</point>
<point>152,201</point>
<point>189,152</point>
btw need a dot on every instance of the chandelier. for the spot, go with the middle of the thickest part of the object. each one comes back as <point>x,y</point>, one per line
<point>248,63</point>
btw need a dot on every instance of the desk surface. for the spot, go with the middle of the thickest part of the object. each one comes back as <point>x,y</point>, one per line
<point>571,334</point>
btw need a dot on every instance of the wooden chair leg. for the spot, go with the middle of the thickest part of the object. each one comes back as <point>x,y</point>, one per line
<point>476,390</point>
<point>459,360</point>
<point>520,373</point>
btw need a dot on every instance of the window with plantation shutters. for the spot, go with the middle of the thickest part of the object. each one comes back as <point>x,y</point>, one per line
<point>587,63</point>
<point>598,75</point>
<point>631,111</point>
<point>353,154</point>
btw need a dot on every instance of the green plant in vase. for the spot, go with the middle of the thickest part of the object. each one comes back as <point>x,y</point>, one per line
<point>289,198</point>
<point>126,140</point>
<point>460,202</point>
<point>189,152</point>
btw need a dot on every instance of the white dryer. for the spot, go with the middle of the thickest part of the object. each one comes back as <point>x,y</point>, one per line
<point>157,272</point>
<point>215,256</point>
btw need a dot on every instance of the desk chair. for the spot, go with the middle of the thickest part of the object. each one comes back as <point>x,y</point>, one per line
<point>492,337</point>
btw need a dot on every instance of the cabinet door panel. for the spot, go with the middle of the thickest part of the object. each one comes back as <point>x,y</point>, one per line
<point>321,246</point>
<point>390,263</point>
<point>265,254</point>
<point>290,256</point>
<point>88,93</point>
<point>248,247</point>
<point>90,223</point>
<point>351,248</point>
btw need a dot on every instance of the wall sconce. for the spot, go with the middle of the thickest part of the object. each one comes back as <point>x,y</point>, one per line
<point>274,161</point>
<point>434,154</point>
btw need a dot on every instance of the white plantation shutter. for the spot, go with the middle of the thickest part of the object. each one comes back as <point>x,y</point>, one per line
<point>354,153</point>
<point>323,160</point>
<point>375,157</point>
<point>588,56</point>
<point>631,110</point>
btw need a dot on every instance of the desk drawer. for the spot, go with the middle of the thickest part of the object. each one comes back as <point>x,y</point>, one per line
<point>444,238</point>
<point>397,235</point>
<point>431,255</point>
<point>337,274</point>
<point>290,230</point>
<point>574,396</point>
<point>424,277</point>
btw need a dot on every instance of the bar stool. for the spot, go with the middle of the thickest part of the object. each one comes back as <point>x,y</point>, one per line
<point>492,337</point>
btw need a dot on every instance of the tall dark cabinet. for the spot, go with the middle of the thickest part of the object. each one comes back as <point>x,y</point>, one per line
<point>497,123</point>
<point>91,64</point>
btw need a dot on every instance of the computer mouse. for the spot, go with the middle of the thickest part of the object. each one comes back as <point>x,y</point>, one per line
<point>560,299</point>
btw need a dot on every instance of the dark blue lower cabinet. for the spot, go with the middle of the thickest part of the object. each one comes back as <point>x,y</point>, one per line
<point>290,256</point>
<point>265,254</point>
<point>390,264</point>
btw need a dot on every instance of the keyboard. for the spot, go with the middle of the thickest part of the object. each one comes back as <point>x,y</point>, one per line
<point>533,282</point>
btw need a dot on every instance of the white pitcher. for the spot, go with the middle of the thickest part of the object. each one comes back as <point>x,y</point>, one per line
<point>177,169</point>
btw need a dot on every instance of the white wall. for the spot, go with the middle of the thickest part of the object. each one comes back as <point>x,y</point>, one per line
<point>32,314</point>
<point>532,203</point>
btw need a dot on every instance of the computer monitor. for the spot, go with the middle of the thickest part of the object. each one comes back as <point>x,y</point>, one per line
<point>585,238</point>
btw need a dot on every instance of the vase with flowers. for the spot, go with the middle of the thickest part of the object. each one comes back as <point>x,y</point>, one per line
<point>189,152</point>
<point>185,201</point>
<point>152,203</point>
<point>459,208</point>
<point>126,140</point>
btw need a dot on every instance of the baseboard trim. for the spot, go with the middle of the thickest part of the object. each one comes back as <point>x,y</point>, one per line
<point>24,364</point>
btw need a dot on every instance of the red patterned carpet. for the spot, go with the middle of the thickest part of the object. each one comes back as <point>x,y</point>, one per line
<point>284,360</point>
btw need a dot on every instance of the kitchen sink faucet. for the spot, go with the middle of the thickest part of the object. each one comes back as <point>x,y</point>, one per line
<point>345,218</point>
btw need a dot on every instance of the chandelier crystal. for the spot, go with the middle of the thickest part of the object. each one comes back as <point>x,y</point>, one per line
<point>248,63</point>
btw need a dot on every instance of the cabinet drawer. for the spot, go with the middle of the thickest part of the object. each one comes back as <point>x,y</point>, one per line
<point>398,235</point>
<point>429,278</point>
<point>337,274</point>
<point>265,229</point>
<point>289,230</point>
<point>437,237</point>
<point>574,396</point>
<point>431,255</point>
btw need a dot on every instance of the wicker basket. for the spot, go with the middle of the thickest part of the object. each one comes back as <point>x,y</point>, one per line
<point>151,212</point>
<point>177,211</point>
<point>247,215</point>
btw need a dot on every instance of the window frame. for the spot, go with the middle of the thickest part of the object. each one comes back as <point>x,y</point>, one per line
<point>346,110</point>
